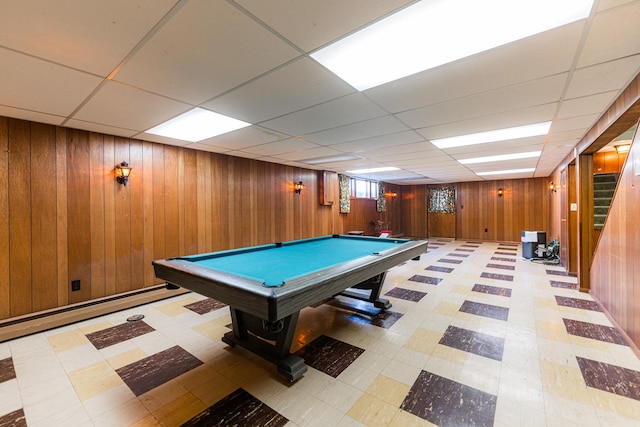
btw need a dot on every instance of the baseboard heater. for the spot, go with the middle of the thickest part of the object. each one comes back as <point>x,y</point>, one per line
<point>28,324</point>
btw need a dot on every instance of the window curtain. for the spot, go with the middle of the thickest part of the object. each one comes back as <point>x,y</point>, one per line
<point>442,200</point>
<point>381,204</point>
<point>345,193</point>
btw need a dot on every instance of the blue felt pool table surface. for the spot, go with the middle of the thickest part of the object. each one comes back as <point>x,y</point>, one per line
<point>276,264</point>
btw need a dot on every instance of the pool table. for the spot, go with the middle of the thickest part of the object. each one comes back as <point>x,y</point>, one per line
<point>266,286</point>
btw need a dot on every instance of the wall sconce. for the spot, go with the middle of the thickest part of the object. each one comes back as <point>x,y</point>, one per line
<point>499,192</point>
<point>297,187</point>
<point>393,195</point>
<point>123,170</point>
<point>552,187</point>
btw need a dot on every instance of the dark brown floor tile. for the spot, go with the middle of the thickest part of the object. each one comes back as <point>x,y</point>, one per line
<point>504,277</point>
<point>436,243</point>
<point>497,258</point>
<point>493,290</point>
<point>509,244</point>
<point>157,369</point>
<point>422,279</point>
<point>6,370</point>
<point>475,243</point>
<point>383,319</point>
<point>556,272</point>
<point>504,248</point>
<point>239,408</point>
<point>450,261</point>
<point>503,253</point>
<point>563,285</point>
<point>470,246</point>
<point>329,355</point>
<point>458,255</point>
<point>205,306</point>
<point>473,342</point>
<point>485,310</point>
<point>502,266</point>
<point>13,419</point>
<point>444,402</point>
<point>463,250</point>
<point>118,334</point>
<point>611,378</point>
<point>594,331</point>
<point>409,295</point>
<point>578,303</point>
<point>439,269</point>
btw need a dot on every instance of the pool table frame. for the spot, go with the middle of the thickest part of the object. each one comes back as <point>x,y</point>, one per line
<point>261,314</point>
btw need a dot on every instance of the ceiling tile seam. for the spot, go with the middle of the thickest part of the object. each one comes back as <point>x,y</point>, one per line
<point>161,22</point>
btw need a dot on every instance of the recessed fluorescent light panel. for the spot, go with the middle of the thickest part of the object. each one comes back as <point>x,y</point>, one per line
<point>374,170</point>
<point>506,172</point>
<point>501,157</point>
<point>506,134</point>
<point>435,32</point>
<point>196,125</point>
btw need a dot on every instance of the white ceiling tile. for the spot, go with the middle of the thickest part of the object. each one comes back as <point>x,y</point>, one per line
<point>310,24</point>
<point>339,112</point>
<point>30,115</point>
<point>379,142</point>
<point>279,147</point>
<point>614,34</point>
<point>279,92</point>
<point>40,86</point>
<point>122,106</point>
<point>245,137</point>
<point>192,60</point>
<point>377,127</point>
<point>310,154</point>
<point>576,122</point>
<point>586,105</point>
<point>608,76</point>
<point>89,36</point>
<point>530,94</point>
<point>100,128</point>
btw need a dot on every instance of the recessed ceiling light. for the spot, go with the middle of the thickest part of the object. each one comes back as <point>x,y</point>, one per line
<point>506,172</point>
<point>196,125</point>
<point>525,131</point>
<point>435,32</point>
<point>501,157</point>
<point>374,170</point>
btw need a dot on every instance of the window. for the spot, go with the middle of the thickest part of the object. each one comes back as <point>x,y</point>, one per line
<point>363,189</point>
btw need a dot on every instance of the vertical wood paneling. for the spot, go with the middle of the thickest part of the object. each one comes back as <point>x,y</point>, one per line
<point>110,236</point>
<point>147,207</point>
<point>181,201</point>
<point>43,217</point>
<point>62,237</point>
<point>5,302</point>
<point>123,222</point>
<point>97,182</point>
<point>137,215</point>
<point>20,217</point>
<point>79,224</point>
<point>190,202</point>
<point>201,160</point>
<point>171,224</point>
<point>158,202</point>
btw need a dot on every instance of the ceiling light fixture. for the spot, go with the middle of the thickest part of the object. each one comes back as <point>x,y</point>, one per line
<point>506,172</point>
<point>374,170</point>
<point>501,157</point>
<point>196,125</point>
<point>497,135</point>
<point>435,32</point>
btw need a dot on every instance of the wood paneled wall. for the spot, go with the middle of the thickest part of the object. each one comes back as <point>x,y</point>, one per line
<point>414,210</point>
<point>615,271</point>
<point>524,205</point>
<point>64,217</point>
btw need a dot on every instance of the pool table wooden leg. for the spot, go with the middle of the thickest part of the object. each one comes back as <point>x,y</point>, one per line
<point>251,332</point>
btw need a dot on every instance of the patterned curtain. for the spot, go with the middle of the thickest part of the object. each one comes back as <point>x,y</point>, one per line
<point>345,192</point>
<point>442,200</point>
<point>381,204</point>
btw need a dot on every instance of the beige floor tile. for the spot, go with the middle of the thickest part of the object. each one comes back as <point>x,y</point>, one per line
<point>68,340</point>
<point>180,410</point>
<point>389,390</point>
<point>373,412</point>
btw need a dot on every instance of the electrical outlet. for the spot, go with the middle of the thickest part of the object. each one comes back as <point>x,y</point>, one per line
<point>486,230</point>
<point>75,285</point>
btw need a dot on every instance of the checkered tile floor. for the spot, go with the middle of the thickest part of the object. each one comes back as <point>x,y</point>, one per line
<point>476,336</point>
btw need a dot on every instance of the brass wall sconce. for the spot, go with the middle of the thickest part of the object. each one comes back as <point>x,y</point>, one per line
<point>297,187</point>
<point>552,187</point>
<point>500,192</point>
<point>393,195</point>
<point>123,170</point>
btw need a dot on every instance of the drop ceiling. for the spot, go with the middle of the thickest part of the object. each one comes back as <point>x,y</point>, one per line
<point>122,67</point>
